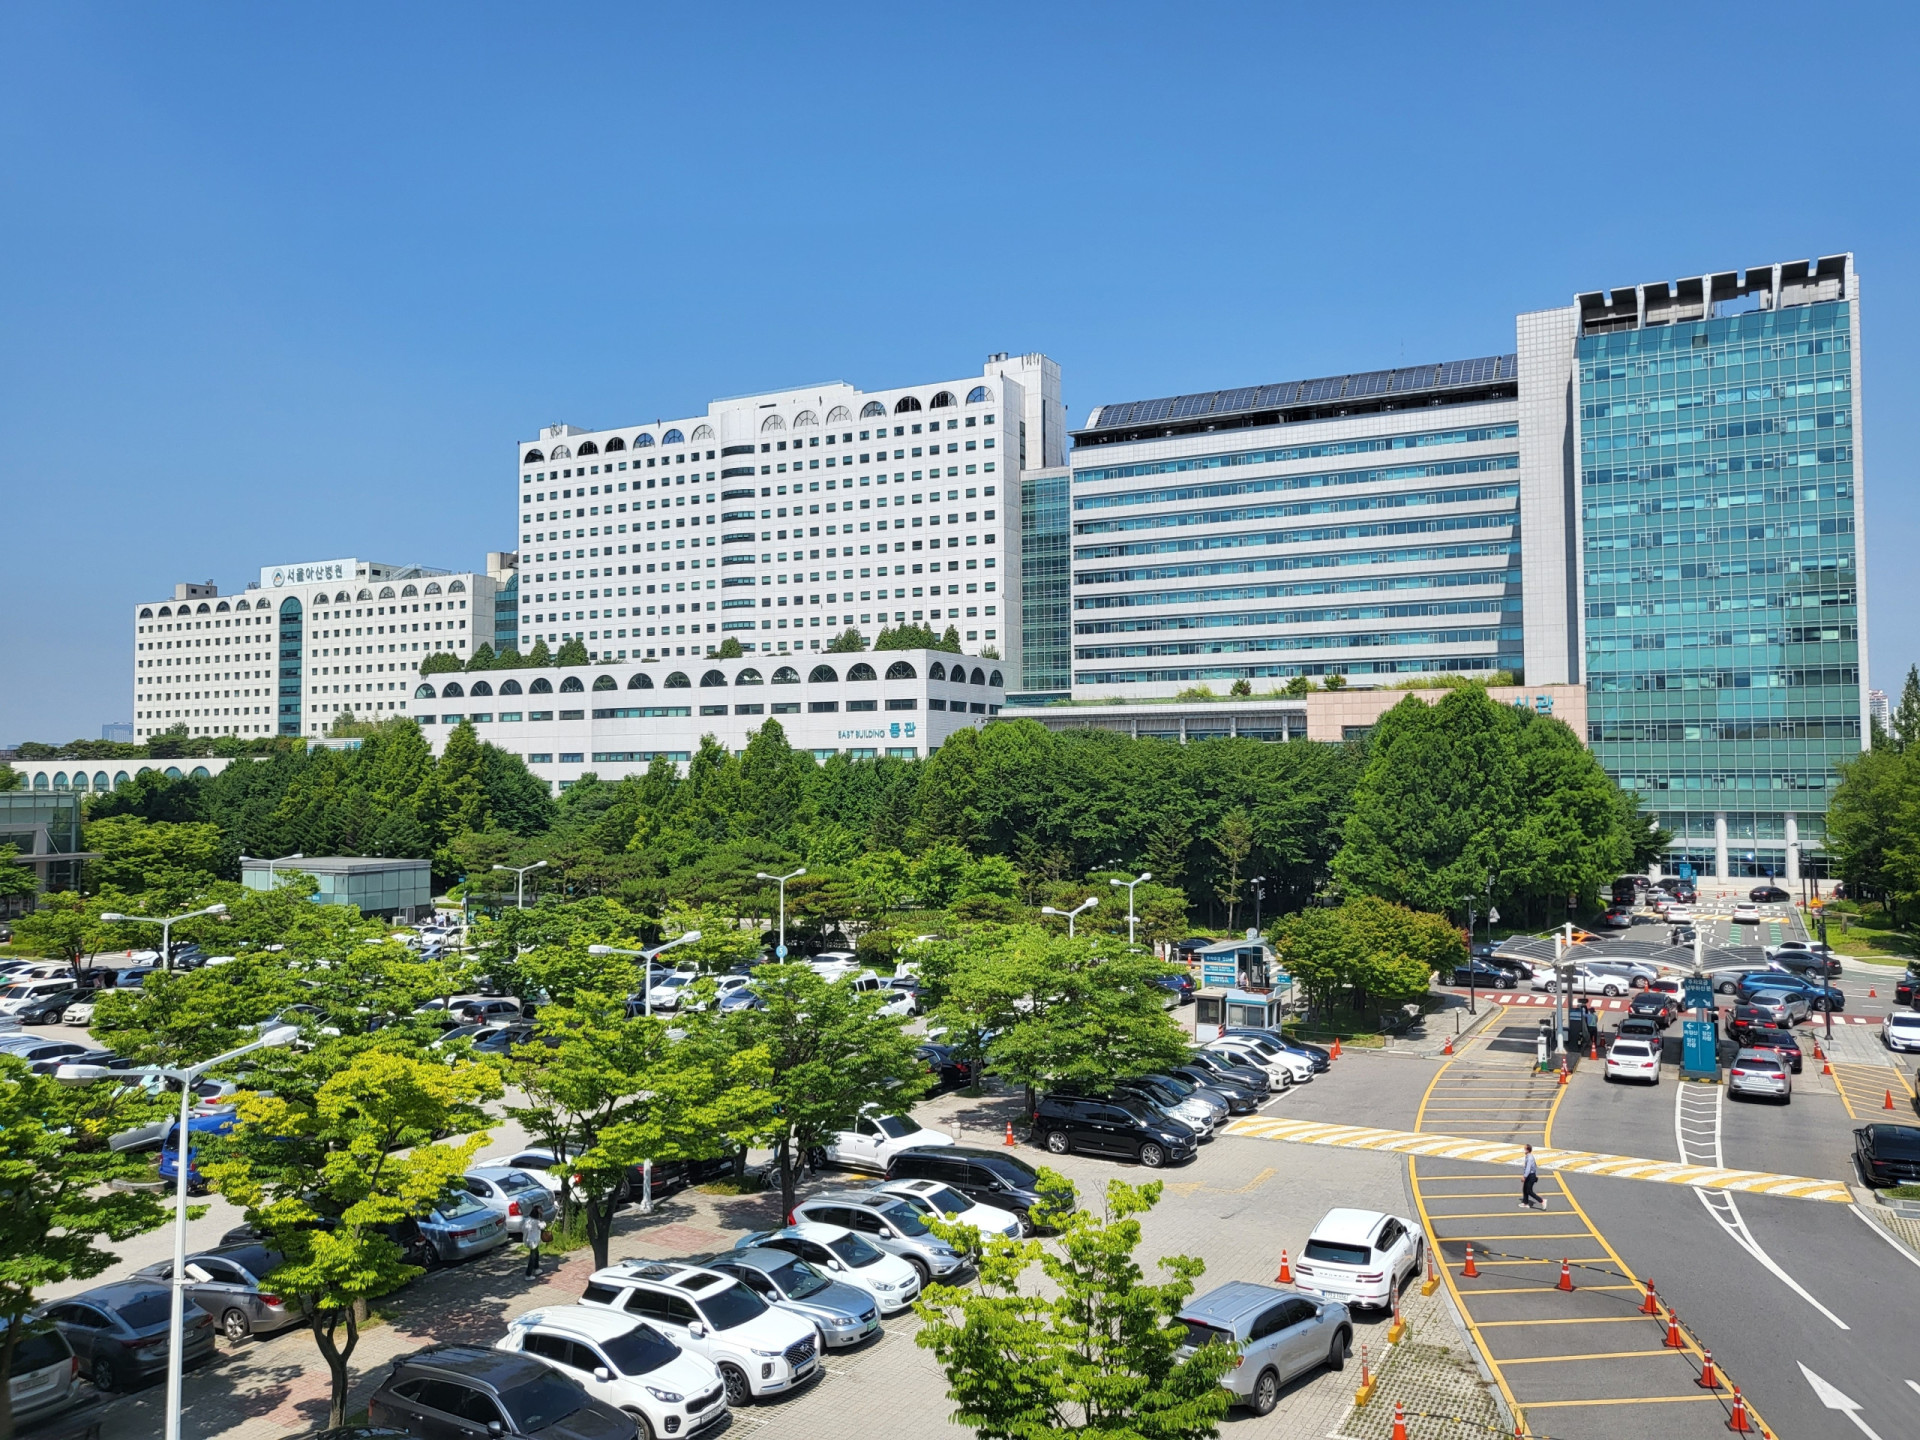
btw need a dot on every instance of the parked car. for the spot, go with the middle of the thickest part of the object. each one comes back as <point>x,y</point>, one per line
<point>514,1195</point>
<point>46,1373</point>
<point>622,1362</point>
<point>1888,1155</point>
<point>1637,974</point>
<point>1118,1128</point>
<point>1768,895</point>
<point>888,1223</point>
<point>1655,1005</point>
<point>119,1332</point>
<point>1640,1027</point>
<point>939,1201</point>
<point>79,1011</point>
<point>1809,964</point>
<point>843,1314</point>
<point>1170,1089</point>
<point>460,1227</point>
<point>1586,980</point>
<point>1360,1257</point>
<point>47,1009</point>
<point>1900,1030</point>
<point>1261,1048</point>
<point>1240,1099</point>
<point>1756,1025</point>
<point>874,1139</point>
<point>458,1391</point>
<point>42,1055</point>
<point>837,1251</point>
<point>991,1177</point>
<point>949,1070</point>
<point>1279,1067</point>
<point>1197,1114</point>
<point>1780,1007</point>
<point>1727,978</point>
<point>212,1121</point>
<point>1486,977</point>
<point>908,988</point>
<point>503,1009</point>
<point>231,1285</point>
<point>1318,1056</point>
<point>1760,1072</point>
<point>18,996</point>
<point>1278,1334</point>
<point>1634,1058</point>
<point>1178,985</point>
<point>760,1349</point>
<point>1234,1072</point>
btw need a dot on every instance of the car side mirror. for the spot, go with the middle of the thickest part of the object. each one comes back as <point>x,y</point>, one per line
<point>697,1330</point>
<point>600,1372</point>
<point>494,1427</point>
<point>833,1265</point>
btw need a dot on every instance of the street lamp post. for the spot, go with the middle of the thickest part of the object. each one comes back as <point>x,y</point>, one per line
<point>297,855</point>
<point>781,953</point>
<point>520,881</point>
<point>1128,885</point>
<point>183,1162</point>
<point>1472,963</point>
<point>166,926</point>
<point>1259,884</point>
<point>1078,910</point>
<point>646,981</point>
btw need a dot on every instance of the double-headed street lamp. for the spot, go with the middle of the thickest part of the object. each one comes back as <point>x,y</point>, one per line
<point>646,980</point>
<point>166,925</point>
<point>1145,876</point>
<point>781,953</point>
<point>1078,910</point>
<point>520,881</point>
<point>186,1076</point>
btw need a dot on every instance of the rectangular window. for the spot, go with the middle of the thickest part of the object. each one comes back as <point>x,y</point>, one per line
<point>786,707</point>
<point>907,704</point>
<point>540,758</point>
<point>860,704</point>
<point>573,714</point>
<point>540,714</point>
<point>572,758</point>
<point>822,707</point>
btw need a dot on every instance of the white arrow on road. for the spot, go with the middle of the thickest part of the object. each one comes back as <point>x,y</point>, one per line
<point>1835,1399</point>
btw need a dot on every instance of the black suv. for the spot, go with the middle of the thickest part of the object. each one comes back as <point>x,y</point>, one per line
<point>1750,1025</point>
<point>993,1177</point>
<point>462,1390</point>
<point>1120,1127</point>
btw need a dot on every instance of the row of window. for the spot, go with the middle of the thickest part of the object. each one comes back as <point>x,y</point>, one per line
<point>859,672</point>
<point>1392,500</point>
<point>60,780</point>
<point>1439,524</point>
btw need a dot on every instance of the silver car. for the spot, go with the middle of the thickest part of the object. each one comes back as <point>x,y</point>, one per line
<point>1201,1116</point>
<point>888,1223</point>
<point>45,1378</point>
<point>231,1285</point>
<point>843,1314</point>
<point>513,1195</point>
<point>1760,1072</point>
<point>461,1227</point>
<point>1792,1002</point>
<point>1279,1334</point>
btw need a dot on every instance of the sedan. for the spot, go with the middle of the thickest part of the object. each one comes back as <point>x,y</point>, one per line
<point>1634,1058</point>
<point>1753,1025</point>
<point>1760,1072</point>
<point>1618,917</point>
<point>514,1195</point>
<point>231,1284</point>
<point>1901,1030</point>
<point>120,1332</point>
<point>1655,1006</point>
<point>1781,1043</point>
<point>1487,977</point>
<point>460,1228</point>
<point>48,1009</point>
<point>1768,895</point>
<point>1241,1099</point>
<point>1888,1155</point>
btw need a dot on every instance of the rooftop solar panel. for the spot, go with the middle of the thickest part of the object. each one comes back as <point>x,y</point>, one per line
<point>1373,382</point>
<point>1406,380</point>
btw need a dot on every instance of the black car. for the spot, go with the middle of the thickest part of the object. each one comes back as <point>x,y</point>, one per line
<point>1809,963</point>
<point>949,1070</point>
<point>1768,895</point>
<point>1121,1127</point>
<point>1486,977</point>
<point>1241,1099</point>
<point>461,1390</point>
<point>1781,1042</point>
<point>47,1009</point>
<point>993,1177</point>
<point>1749,1025</point>
<point>1655,1006</point>
<point>1888,1155</point>
<point>502,1041</point>
<point>1903,989</point>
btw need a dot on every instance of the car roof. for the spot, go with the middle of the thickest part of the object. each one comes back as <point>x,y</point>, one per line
<point>595,1322</point>
<point>476,1362</point>
<point>843,1197</point>
<point>1227,1305</point>
<point>694,1279</point>
<point>1349,1226</point>
<point>760,1257</point>
<point>816,1230</point>
<point>118,1292</point>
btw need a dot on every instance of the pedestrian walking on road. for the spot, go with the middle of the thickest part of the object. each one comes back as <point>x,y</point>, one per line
<point>1529,1182</point>
<point>533,1230</point>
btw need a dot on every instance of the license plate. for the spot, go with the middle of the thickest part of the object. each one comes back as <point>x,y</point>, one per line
<point>873,1324</point>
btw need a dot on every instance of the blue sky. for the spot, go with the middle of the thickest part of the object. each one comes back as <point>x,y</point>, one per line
<point>289,282</point>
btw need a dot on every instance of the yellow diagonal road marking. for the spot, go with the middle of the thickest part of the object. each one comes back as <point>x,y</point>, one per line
<point>1573,1162</point>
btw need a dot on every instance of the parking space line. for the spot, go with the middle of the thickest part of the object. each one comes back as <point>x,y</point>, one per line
<point>1633,1319</point>
<point>1549,1235</point>
<point>1627,1400</point>
<point>1538,1290</point>
<point>1662,1354</point>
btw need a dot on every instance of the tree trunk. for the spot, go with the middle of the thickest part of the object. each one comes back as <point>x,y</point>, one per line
<point>786,1174</point>
<point>600,1229</point>
<point>335,1356</point>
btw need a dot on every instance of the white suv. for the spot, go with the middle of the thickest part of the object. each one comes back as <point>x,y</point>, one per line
<point>840,1254</point>
<point>625,1362</point>
<point>1901,1030</point>
<point>1267,1056</point>
<point>759,1350</point>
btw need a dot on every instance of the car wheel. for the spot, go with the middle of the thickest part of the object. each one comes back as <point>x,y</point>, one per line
<point>1153,1157</point>
<point>1725,987</point>
<point>739,1392</point>
<point>1342,1348</point>
<point>1266,1393</point>
<point>105,1378</point>
<point>920,1269</point>
<point>1026,1223</point>
<point>1058,1143</point>
<point>234,1326</point>
<point>642,1425</point>
<point>1610,990</point>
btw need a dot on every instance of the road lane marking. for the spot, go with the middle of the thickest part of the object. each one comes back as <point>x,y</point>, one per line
<point>1633,1319</point>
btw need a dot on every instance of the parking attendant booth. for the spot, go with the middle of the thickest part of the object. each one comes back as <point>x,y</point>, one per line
<point>1224,1008</point>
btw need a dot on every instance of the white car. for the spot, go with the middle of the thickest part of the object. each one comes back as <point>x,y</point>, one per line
<point>833,964</point>
<point>943,1202</point>
<point>1279,1076</point>
<point>22,993</point>
<point>626,1362</point>
<point>1679,915</point>
<point>1633,1058</point>
<point>665,993</point>
<point>758,1348</point>
<point>1360,1257</point>
<point>1591,982</point>
<point>78,1013</point>
<point>1901,1030</point>
<point>540,1164</point>
<point>840,1254</point>
<point>1745,914</point>
<point>875,1139</point>
<point>1268,1056</point>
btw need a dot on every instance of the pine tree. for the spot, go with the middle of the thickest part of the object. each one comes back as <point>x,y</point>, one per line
<point>440,663</point>
<point>573,652</point>
<point>950,642</point>
<point>1906,716</point>
<point>508,659</point>
<point>847,642</point>
<point>482,658</point>
<point>728,649</point>
<point>539,658</point>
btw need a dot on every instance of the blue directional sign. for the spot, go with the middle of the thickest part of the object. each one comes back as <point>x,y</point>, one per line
<point>1699,1057</point>
<point>1697,993</point>
<point>780,951</point>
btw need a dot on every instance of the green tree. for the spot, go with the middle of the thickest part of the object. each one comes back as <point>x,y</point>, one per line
<point>66,926</point>
<point>1906,715</point>
<point>440,663</point>
<point>1335,681</point>
<point>482,658</point>
<point>1090,1346</point>
<point>847,642</point>
<point>358,1154</point>
<point>10,778</point>
<point>907,637</point>
<point>509,659</point>
<point>1865,822</point>
<point>573,652</point>
<point>16,879</point>
<point>539,658</point>
<point>1365,950</point>
<point>62,1202</point>
<point>1234,842</point>
<point>136,855</point>
<point>1298,685</point>
<point>950,642</point>
<point>728,649</point>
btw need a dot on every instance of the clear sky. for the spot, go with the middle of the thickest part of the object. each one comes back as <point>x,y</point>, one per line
<point>288,282</point>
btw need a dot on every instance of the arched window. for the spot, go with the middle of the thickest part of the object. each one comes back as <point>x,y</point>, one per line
<point>673,437</point>
<point>241,605</point>
<point>749,676</point>
<point>561,452</point>
<point>433,588</point>
<point>204,609</point>
<point>100,780</point>
<point>786,675</point>
<point>905,404</point>
<point>532,457</point>
<point>289,607</point>
<point>616,443</point>
<point>423,692</point>
<point>147,614</point>
<point>479,688</point>
<point>606,682</point>
<point>702,432</point>
<point>572,686</point>
<point>509,687</point>
<point>221,608</point>
<point>451,690</point>
<point>643,441</point>
<point>979,677</point>
<point>60,780</point>
<point>806,420</point>
<point>364,595</point>
<point>862,671</point>
<point>936,671</point>
<point>771,424</point>
<point>541,686</point>
<point>678,681</point>
<point>200,773</point>
<point>173,772</point>
<point>386,592</point>
<point>712,678</point>
<point>977,395</point>
<point>819,675</point>
<point>944,400</point>
<point>164,611</point>
<point>871,409</point>
<point>641,681</point>
<point>901,670</point>
<point>456,587</point>
<point>40,780</point>
<point>119,778</point>
<point>345,599</point>
<point>587,447</point>
<point>994,680</point>
<point>839,415</point>
<point>80,780</point>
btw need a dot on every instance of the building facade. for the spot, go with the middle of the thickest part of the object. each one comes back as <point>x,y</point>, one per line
<point>785,518</point>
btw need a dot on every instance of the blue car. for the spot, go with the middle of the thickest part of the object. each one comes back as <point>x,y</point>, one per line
<point>209,1122</point>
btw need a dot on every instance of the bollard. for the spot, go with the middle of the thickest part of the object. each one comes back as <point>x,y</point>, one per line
<point>1398,1329</point>
<point>1432,1281</point>
<point>1737,1421</point>
<point>1650,1305</point>
<point>1365,1392</point>
<point>1709,1377</point>
<point>1566,1277</point>
<point>1285,1277</point>
<point>1673,1340</point>
<point>1470,1272</point>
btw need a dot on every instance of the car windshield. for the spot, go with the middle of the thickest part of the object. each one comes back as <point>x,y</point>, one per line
<point>947,1202</point>
<point>543,1402</point>
<point>894,1126</point>
<point>905,1218</point>
<point>732,1305</point>
<point>1332,1252</point>
<point>513,1181</point>
<point>855,1251</point>
<point>640,1351</point>
<point>797,1279</point>
<point>149,1307</point>
<point>1179,1087</point>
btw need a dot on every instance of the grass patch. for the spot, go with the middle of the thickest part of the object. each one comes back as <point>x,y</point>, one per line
<point>1868,934</point>
<point>564,1238</point>
<point>748,1184</point>
<point>1903,1192</point>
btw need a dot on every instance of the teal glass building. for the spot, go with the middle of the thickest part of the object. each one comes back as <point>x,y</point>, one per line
<point>1716,442</point>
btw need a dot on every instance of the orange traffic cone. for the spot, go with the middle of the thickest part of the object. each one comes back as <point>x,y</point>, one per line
<point>1285,1277</point>
<point>1827,1068</point>
<point>1010,1141</point>
<point>1471,1271</point>
<point>1593,1047</point>
<point>1673,1340</point>
<point>1336,1047</point>
<point>1566,1277</point>
<point>1889,1104</point>
<point>1737,1421</point>
<point>1872,994</point>
<point>1447,1049</point>
<point>1818,1053</point>
<point>1709,1377</point>
<point>1399,1423</point>
<point>1650,1305</point>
